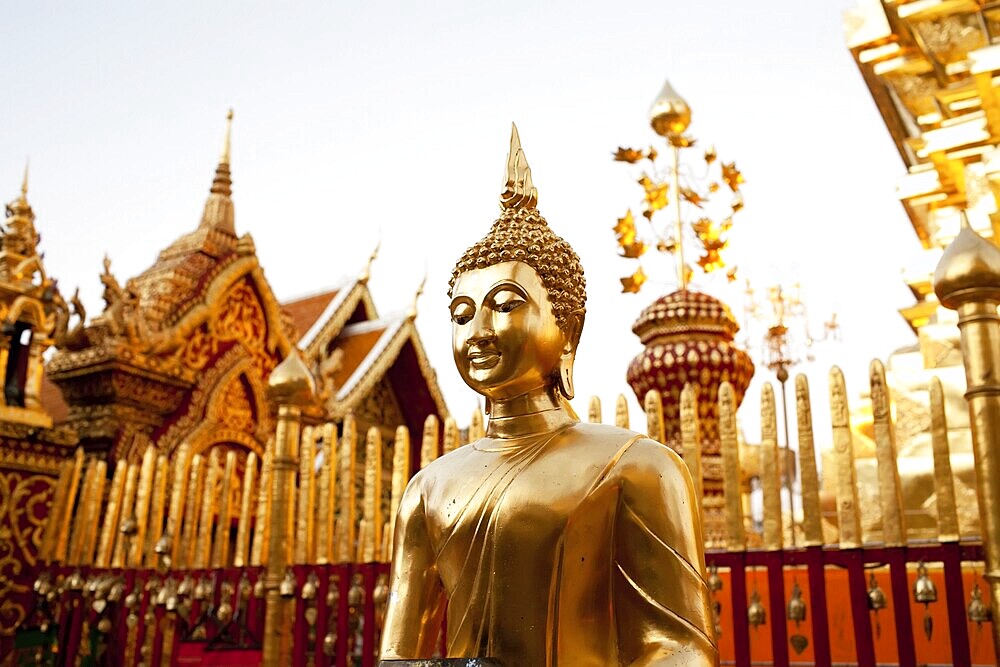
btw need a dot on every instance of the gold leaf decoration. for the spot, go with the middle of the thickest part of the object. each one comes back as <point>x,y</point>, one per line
<point>656,194</point>
<point>633,283</point>
<point>710,155</point>
<point>629,155</point>
<point>732,176</point>
<point>633,250</point>
<point>692,197</point>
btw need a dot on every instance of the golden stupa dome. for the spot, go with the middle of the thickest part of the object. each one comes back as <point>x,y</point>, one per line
<point>969,264</point>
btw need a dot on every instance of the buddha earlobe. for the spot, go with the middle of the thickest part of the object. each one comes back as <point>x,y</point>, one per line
<point>566,375</point>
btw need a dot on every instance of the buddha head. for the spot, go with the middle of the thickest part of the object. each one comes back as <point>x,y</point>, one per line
<point>518,299</point>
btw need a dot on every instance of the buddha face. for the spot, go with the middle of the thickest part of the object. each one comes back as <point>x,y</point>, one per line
<point>505,337</point>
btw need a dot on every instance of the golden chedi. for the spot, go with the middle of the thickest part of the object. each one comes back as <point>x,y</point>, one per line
<point>552,542</point>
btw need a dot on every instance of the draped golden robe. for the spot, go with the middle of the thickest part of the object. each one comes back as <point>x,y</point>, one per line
<point>577,547</point>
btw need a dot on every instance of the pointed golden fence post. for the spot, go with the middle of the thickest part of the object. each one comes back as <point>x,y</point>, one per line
<point>94,513</point>
<point>812,526</point>
<point>967,279</point>
<point>223,523</point>
<point>157,509</point>
<point>127,514</point>
<point>80,515</point>
<point>400,477</point>
<point>346,523</point>
<point>110,526</point>
<point>209,498</point>
<point>848,511</point>
<point>621,412</point>
<point>54,520</point>
<point>594,410</point>
<point>291,387</point>
<point>476,428</point>
<point>736,539</point>
<point>321,516</point>
<point>890,490</point>
<point>373,495</point>
<point>429,444</point>
<point>690,447</point>
<point>770,475</point>
<point>258,550</point>
<point>196,479</point>
<point>653,406</point>
<point>62,536</point>
<point>451,435</point>
<point>175,515</point>
<point>142,498</point>
<point>307,498</point>
<point>246,499</point>
<point>944,482</point>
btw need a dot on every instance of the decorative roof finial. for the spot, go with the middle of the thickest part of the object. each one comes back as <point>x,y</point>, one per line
<point>412,312</point>
<point>518,192</point>
<point>224,159</point>
<point>219,213</point>
<point>366,273</point>
<point>223,183</point>
<point>24,183</point>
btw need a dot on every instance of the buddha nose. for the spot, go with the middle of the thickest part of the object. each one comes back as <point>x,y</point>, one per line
<point>481,329</point>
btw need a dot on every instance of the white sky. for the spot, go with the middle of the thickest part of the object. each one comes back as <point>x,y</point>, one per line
<point>355,120</point>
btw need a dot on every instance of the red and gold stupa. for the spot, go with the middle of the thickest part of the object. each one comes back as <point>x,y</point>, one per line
<point>688,335</point>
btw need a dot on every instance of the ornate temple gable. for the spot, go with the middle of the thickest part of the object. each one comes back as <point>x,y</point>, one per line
<point>365,354</point>
<point>348,303</point>
<point>151,361</point>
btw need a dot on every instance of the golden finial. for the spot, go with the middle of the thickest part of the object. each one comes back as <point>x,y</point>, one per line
<point>518,190</point>
<point>24,183</point>
<point>224,158</point>
<point>412,312</point>
<point>366,273</point>
<point>670,115</point>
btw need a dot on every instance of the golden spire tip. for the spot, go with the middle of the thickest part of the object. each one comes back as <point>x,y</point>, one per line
<point>224,159</point>
<point>367,272</point>
<point>24,182</point>
<point>412,312</point>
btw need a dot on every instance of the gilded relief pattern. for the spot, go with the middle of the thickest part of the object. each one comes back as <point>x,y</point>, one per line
<point>24,505</point>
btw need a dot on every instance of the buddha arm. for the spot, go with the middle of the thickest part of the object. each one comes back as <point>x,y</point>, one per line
<point>662,605</point>
<point>416,596</point>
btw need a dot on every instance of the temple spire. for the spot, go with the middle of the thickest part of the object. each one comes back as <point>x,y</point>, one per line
<point>224,158</point>
<point>24,183</point>
<point>219,207</point>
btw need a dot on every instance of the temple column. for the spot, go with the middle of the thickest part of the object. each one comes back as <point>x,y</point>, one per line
<point>967,280</point>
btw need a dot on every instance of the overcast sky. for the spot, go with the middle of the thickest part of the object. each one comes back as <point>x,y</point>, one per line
<point>355,121</point>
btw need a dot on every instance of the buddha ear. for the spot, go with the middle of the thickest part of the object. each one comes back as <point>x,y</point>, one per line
<point>571,329</point>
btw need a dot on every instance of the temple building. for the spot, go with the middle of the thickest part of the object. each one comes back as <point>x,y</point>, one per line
<point>931,69</point>
<point>175,370</point>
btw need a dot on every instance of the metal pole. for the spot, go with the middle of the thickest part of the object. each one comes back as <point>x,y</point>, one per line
<point>679,224</point>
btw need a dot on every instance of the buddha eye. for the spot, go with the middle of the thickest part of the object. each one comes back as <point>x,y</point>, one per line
<point>505,300</point>
<point>509,306</point>
<point>462,313</point>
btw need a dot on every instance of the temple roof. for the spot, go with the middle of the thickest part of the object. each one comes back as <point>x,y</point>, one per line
<point>384,349</point>
<point>306,311</point>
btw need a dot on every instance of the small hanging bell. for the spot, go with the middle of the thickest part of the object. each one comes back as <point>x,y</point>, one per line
<point>756,614</point>
<point>309,588</point>
<point>876,596</point>
<point>796,605</point>
<point>714,581</point>
<point>287,587</point>
<point>978,611</point>
<point>924,589</point>
<point>258,587</point>
<point>876,601</point>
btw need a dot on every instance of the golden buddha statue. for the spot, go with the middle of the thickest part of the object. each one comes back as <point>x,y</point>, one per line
<point>550,541</point>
